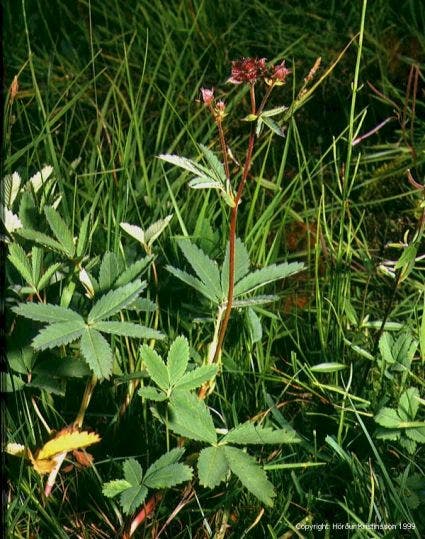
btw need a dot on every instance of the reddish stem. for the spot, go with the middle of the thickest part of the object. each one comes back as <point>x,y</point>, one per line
<point>148,508</point>
<point>232,232</point>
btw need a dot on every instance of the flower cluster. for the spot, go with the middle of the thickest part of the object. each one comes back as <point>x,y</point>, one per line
<point>217,107</point>
<point>249,70</point>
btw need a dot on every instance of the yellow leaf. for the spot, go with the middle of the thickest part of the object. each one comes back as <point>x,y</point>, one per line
<point>43,466</point>
<point>67,441</point>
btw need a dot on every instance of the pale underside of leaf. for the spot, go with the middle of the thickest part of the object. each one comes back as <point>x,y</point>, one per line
<point>134,231</point>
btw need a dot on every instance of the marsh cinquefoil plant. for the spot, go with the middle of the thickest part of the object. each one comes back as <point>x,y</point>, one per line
<point>187,415</point>
<point>215,174</point>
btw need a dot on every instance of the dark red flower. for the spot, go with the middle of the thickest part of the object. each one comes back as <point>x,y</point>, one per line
<point>247,70</point>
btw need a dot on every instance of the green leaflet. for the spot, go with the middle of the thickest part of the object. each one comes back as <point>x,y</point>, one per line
<point>216,167</point>
<point>115,487</point>
<point>254,300</point>
<point>133,472</point>
<point>250,474</point>
<point>190,417</point>
<point>58,334</point>
<point>114,301</point>
<point>156,229</point>
<point>97,353</point>
<point>155,366</point>
<point>192,281</point>
<point>60,230</point>
<point>19,259</point>
<point>132,498</point>
<point>47,276</point>
<point>36,262</point>
<point>266,275</point>
<point>212,466</point>
<point>128,329</point>
<point>388,417</point>
<point>166,459</point>
<point>45,312</point>
<point>408,404</point>
<point>195,378</point>
<point>187,164</point>
<point>205,268</point>
<point>150,393</point>
<point>83,236</point>
<point>177,359</point>
<point>247,433</point>
<point>109,271</point>
<point>133,271</point>
<point>42,239</point>
<point>254,325</point>
<point>386,343</point>
<point>168,475</point>
<point>11,383</point>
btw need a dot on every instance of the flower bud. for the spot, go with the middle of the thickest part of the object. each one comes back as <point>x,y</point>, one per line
<point>207,96</point>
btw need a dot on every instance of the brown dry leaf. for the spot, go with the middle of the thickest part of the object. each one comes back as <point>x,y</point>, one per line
<point>83,458</point>
<point>14,88</point>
